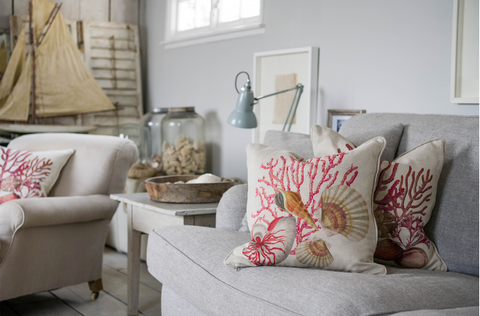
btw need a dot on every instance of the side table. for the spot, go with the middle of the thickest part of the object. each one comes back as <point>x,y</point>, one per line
<point>145,215</point>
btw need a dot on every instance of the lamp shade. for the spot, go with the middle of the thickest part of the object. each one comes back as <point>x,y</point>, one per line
<point>243,115</point>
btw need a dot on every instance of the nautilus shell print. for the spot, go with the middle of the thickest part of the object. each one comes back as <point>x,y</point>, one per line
<point>314,253</point>
<point>271,245</point>
<point>344,212</point>
<point>291,202</point>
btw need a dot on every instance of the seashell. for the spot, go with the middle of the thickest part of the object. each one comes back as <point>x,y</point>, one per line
<point>10,184</point>
<point>345,212</point>
<point>414,258</point>
<point>140,171</point>
<point>314,253</point>
<point>271,245</point>
<point>291,202</point>
<point>387,249</point>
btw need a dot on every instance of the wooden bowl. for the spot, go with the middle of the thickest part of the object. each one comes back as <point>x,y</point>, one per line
<point>164,189</point>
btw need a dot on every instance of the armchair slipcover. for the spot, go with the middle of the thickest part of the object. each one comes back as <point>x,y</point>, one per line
<point>52,242</point>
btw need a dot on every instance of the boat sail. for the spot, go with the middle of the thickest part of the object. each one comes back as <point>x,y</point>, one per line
<point>50,79</point>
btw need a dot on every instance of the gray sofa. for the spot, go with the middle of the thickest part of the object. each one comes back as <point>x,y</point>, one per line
<point>188,260</point>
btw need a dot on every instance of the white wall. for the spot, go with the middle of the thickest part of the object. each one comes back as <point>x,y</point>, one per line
<point>377,55</point>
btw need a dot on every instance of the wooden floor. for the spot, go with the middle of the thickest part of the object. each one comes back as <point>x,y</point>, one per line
<point>75,300</point>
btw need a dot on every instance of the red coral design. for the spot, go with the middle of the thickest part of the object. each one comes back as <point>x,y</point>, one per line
<point>403,205</point>
<point>22,173</point>
<point>261,250</point>
<point>288,174</point>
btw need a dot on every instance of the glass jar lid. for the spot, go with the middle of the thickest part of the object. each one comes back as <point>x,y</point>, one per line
<point>159,110</point>
<point>182,109</point>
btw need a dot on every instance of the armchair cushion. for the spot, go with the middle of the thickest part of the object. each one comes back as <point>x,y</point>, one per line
<point>24,174</point>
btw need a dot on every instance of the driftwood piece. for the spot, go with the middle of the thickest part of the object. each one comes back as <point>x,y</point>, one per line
<point>164,189</point>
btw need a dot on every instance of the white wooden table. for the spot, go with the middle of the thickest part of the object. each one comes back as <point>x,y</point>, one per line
<point>145,215</point>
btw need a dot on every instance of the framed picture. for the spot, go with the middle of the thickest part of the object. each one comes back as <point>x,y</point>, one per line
<point>337,117</point>
<point>280,70</point>
<point>464,85</point>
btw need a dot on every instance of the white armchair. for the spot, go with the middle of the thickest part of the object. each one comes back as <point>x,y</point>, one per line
<point>52,242</point>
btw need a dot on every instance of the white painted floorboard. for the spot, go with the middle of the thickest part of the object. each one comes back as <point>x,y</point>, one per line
<point>75,300</point>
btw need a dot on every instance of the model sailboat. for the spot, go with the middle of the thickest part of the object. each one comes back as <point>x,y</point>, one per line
<point>49,78</point>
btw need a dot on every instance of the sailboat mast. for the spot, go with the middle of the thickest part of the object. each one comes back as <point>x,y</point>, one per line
<point>33,47</point>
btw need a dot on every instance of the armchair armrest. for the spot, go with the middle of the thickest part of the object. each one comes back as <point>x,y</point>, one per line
<point>61,210</point>
<point>51,211</point>
<point>232,208</point>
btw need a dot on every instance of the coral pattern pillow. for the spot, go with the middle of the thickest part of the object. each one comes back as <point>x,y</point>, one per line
<point>25,174</point>
<point>311,213</point>
<point>403,200</point>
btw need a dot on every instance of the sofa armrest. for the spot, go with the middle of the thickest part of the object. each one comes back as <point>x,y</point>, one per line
<point>232,208</point>
<point>18,214</point>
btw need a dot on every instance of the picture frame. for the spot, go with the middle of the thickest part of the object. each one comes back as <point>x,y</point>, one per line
<point>464,83</point>
<point>268,66</point>
<point>337,117</point>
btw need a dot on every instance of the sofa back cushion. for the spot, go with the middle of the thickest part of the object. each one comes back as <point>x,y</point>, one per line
<point>453,226</point>
<point>99,165</point>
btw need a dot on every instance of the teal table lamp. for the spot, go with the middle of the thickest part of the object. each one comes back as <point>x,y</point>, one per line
<point>243,115</point>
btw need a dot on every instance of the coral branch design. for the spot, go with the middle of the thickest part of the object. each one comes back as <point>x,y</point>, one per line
<point>22,173</point>
<point>401,205</point>
<point>292,174</point>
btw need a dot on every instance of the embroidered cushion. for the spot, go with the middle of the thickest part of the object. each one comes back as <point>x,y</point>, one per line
<point>311,213</point>
<point>403,200</point>
<point>25,174</point>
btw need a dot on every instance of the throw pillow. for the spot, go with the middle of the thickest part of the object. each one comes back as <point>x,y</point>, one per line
<point>403,200</point>
<point>347,139</point>
<point>25,174</point>
<point>311,213</point>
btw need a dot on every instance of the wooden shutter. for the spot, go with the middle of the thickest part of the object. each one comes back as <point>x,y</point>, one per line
<point>112,53</point>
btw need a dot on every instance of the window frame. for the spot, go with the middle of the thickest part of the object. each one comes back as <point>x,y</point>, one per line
<point>214,32</point>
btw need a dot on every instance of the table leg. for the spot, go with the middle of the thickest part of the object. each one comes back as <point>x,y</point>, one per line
<point>133,265</point>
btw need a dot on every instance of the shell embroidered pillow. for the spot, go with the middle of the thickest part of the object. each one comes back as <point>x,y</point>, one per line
<point>25,174</point>
<point>403,201</point>
<point>311,213</point>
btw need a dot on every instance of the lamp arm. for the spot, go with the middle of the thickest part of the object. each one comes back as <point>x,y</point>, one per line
<point>296,100</point>
<point>298,86</point>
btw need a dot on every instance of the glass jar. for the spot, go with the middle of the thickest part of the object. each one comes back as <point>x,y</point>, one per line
<point>183,142</point>
<point>150,136</point>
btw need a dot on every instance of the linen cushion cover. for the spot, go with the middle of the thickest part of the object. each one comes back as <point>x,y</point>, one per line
<point>403,200</point>
<point>26,174</point>
<point>314,212</point>
<point>454,223</point>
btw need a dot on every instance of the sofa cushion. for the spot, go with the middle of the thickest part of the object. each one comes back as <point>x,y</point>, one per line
<point>188,260</point>
<point>25,174</point>
<point>330,198</point>
<point>392,134</point>
<point>403,200</point>
<point>453,226</point>
<point>298,143</point>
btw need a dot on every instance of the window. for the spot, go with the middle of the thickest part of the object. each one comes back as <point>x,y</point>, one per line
<point>198,21</point>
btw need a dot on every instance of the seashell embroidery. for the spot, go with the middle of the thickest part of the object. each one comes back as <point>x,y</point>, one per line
<point>271,245</point>
<point>345,212</point>
<point>314,253</point>
<point>387,249</point>
<point>413,258</point>
<point>291,202</point>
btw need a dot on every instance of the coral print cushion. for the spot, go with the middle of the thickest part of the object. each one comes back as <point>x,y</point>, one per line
<point>27,174</point>
<point>403,200</point>
<point>311,213</point>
